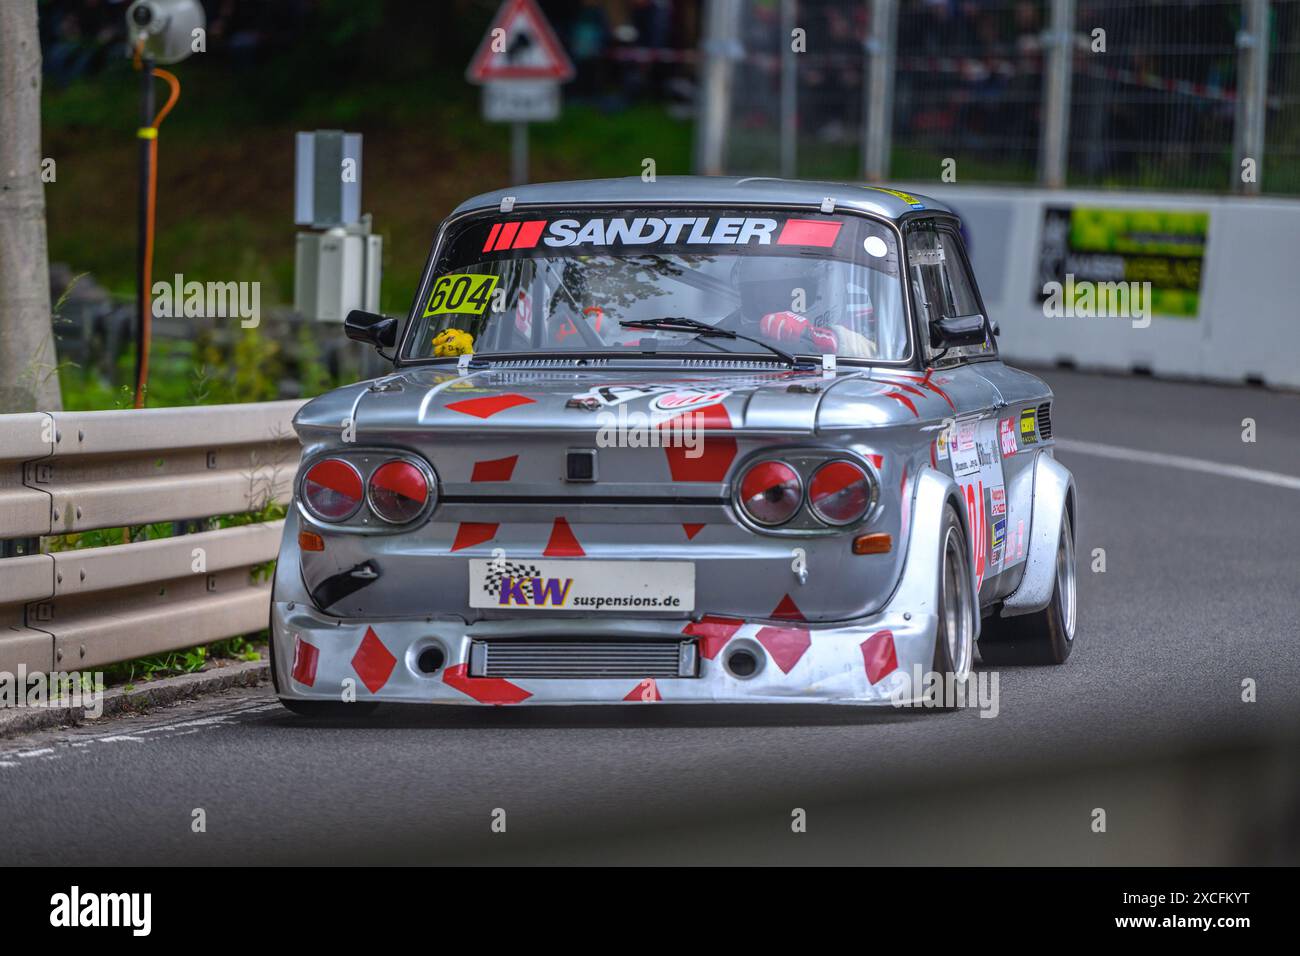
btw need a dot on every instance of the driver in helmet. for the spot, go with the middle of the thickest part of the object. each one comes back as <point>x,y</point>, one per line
<point>769,285</point>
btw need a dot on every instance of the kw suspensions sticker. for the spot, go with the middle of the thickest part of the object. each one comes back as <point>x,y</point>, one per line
<point>652,234</point>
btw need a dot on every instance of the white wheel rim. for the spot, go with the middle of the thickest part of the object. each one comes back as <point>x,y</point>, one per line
<point>1065,577</point>
<point>957,617</point>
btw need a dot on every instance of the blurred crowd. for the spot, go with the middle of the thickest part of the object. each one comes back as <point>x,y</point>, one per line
<point>80,37</point>
<point>969,74</point>
<point>624,50</point>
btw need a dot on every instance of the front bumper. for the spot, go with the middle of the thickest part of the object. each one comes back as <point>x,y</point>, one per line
<point>876,660</point>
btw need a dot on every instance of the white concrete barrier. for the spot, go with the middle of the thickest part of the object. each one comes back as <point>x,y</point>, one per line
<point>1240,321</point>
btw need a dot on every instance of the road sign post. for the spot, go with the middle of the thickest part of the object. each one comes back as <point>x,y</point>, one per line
<point>520,64</point>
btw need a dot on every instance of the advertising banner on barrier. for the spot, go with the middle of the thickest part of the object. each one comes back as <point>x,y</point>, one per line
<point>1086,248</point>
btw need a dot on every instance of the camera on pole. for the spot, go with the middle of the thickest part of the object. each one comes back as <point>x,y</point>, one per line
<point>166,27</point>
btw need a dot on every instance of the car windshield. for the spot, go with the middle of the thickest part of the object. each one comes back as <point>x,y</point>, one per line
<point>565,280</point>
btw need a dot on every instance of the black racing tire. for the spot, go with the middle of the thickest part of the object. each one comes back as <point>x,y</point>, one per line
<point>329,709</point>
<point>954,643</point>
<point>1046,636</point>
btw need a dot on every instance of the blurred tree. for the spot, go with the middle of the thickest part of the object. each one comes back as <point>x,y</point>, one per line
<point>29,374</point>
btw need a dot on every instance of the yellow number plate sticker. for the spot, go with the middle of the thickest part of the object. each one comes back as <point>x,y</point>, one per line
<point>463,292</point>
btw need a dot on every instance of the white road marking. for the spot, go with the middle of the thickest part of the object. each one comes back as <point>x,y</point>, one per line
<point>176,728</point>
<point>1275,478</point>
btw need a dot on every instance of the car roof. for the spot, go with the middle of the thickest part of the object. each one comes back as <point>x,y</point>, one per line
<point>689,190</point>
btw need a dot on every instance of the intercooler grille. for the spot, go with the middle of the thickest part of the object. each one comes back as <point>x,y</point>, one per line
<point>1045,421</point>
<point>570,660</point>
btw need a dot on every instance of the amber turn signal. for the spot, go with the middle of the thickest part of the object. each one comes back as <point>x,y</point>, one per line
<point>877,543</point>
<point>310,541</point>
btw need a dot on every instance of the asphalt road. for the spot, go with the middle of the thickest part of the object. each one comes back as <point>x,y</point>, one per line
<point>1145,721</point>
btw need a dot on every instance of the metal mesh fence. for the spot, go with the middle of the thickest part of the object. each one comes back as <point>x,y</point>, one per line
<point>1282,134</point>
<point>1153,92</point>
<point>828,89</point>
<point>968,86</point>
<point>1156,108</point>
<point>753,136</point>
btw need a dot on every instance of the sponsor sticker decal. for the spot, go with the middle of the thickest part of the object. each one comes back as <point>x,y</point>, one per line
<point>999,540</point>
<point>1028,426</point>
<point>965,461</point>
<point>1007,434</point>
<point>943,442</point>
<point>680,399</point>
<point>998,501</point>
<point>906,197</point>
<point>620,232</point>
<point>549,585</point>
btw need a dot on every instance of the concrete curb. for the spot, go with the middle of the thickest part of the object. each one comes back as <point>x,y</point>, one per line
<point>24,720</point>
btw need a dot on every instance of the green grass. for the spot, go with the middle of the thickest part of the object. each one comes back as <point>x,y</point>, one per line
<point>154,667</point>
<point>226,169</point>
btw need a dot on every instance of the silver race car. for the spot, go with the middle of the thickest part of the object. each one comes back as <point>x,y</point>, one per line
<point>693,440</point>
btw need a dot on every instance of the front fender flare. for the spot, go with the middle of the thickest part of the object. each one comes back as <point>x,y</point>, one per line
<point>918,588</point>
<point>1053,485</point>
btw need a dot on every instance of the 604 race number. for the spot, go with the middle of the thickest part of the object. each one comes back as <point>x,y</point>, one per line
<point>463,292</point>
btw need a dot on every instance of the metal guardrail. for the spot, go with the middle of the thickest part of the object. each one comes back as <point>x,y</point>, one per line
<point>67,472</point>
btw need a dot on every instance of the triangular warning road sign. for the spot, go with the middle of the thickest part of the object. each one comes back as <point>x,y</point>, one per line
<point>527,49</point>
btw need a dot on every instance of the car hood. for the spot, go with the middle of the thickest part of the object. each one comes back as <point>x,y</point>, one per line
<point>780,401</point>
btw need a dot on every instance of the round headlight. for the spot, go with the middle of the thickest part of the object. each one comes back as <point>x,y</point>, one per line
<point>331,490</point>
<point>398,491</point>
<point>770,492</point>
<point>840,492</point>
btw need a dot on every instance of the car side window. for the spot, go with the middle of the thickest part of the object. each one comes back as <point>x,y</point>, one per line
<point>942,284</point>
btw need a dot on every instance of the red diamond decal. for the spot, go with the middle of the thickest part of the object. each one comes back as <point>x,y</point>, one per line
<point>712,457</point>
<point>305,657</point>
<point>373,662</point>
<point>647,691</point>
<point>692,530</point>
<point>485,690</point>
<point>470,533</point>
<point>498,469</point>
<point>488,406</point>
<point>879,656</point>
<point>563,544</point>
<point>713,632</point>
<point>787,610</point>
<point>785,644</point>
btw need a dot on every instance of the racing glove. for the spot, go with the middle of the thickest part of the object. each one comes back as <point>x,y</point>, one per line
<point>790,327</point>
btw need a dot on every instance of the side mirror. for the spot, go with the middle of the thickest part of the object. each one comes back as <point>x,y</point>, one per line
<point>377,330</point>
<point>954,331</point>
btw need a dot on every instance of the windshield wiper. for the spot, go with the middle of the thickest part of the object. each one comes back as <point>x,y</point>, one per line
<point>679,323</point>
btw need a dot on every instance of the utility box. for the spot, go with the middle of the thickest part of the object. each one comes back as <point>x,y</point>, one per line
<point>339,268</point>
<point>335,272</point>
